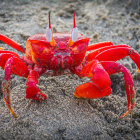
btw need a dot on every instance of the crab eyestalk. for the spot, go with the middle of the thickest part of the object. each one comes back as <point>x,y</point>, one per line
<point>74,35</point>
<point>49,34</point>
<point>75,30</point>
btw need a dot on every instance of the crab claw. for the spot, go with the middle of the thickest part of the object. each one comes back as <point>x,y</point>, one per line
<point>99,82</point>
<point>89,90</point>
<point>32,91</point>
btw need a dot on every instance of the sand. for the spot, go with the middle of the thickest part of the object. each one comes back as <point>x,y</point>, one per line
<point>62,116</point>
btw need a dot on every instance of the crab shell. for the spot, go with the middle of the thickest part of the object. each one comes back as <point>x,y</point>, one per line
<point>58,57</point>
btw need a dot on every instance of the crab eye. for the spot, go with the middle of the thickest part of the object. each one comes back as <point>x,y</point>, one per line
<point>74,30</point>
<point>74,34</point>
<point>49,31</point>
<point>49,35</point>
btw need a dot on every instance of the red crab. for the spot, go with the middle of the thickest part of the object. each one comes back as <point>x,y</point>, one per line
<point>59,52</point>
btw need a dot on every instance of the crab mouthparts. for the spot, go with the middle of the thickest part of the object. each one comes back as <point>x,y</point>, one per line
<point>61,60</point>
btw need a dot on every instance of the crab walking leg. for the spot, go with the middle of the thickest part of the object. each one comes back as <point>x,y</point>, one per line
<point>99,83</point>
<point>12,43</point>
<point>12,65</point>
<point>114,67</point>
<point>32,91</point>
<point>6,86</point>
<point>119,53</point>
<point>19,67</point>
<point>96,52</point>
<point>4,56</point>
<point>99,45</point>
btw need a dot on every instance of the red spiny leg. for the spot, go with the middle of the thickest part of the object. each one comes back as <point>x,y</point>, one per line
<point>32,91</point>
<point>99,84</point>
<point>115,54</point>
<point>12,43</point>
<point>16,66</point>
<point>99,51</point>
<point>99,45</point>
<point>114,67</point>
<point>4,56</point>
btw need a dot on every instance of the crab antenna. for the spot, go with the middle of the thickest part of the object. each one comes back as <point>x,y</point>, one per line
<point>74,23</point>
<point>49,21</point>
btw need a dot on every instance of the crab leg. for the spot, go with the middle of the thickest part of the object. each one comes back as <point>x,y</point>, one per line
<point>13,65</point>
<point>6,86</point>
<point>117,53</point>
<point>114,67</point>
<point>96,52</point>
<point>12,43</point>
<point>18,68</point>
<point>4,55</point>
<point>32,91</point>
<point>99,45</point>
<point>99,81</point>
